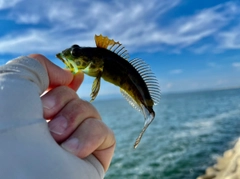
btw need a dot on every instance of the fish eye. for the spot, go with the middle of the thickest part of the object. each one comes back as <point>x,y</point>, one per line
<point>76,51</point>
<point>75,46</point>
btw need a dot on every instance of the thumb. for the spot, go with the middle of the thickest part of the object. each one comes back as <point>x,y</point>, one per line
<point>57,76</point>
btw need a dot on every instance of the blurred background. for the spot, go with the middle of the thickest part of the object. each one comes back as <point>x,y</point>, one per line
<point>193,47</point>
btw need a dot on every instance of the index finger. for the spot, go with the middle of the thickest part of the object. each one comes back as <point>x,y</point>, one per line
<point>58,76</point>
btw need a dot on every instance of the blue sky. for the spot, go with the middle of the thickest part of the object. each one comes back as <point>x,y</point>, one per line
<point>190,45</point>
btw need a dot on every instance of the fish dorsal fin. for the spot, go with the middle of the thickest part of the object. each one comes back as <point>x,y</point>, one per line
<point>149,78</point>
<point>110,44</point>
<point>131,101</point>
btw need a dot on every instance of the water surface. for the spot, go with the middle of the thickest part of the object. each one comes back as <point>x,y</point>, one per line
<point>189,132</point>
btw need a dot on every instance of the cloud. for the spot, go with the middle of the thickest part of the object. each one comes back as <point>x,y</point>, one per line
<point>4,4</point>
<point>205,23</point>
<point>230,39</point>
<point>58,22</point>
<point>236,65</point>
<point>213,65</point>
<point>202,49</point>
<point>196,84</point>
<point>176,71</point>
<point>168,85</point>
<point>33,41</point>
<point>55,25</point>
<point>221,82</point>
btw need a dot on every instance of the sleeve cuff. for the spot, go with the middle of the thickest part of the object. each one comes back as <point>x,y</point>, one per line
<point>30,69</point>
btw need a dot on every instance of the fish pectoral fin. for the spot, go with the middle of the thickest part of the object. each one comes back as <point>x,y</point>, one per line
<point>87,69</point>
<point>96,87</point>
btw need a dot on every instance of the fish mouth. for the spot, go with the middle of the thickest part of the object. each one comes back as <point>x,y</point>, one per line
<point>69,63</point>
<point>59,55</point>
<point>63,59</point>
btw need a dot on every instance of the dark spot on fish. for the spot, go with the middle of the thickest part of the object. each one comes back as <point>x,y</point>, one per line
<point>84,64</point>
<point>78,63</point>
<point>114,78</point>
<point>121,82</point>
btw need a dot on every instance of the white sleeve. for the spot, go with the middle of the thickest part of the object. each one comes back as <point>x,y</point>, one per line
<point>27,148</point>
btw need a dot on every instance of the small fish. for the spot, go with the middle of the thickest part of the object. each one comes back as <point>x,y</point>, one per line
<point>109,60</point>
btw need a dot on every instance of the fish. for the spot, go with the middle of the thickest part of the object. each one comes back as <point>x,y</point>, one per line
<point>109,60</point>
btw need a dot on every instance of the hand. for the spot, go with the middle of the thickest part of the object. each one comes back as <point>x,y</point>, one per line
<point>75,123</point>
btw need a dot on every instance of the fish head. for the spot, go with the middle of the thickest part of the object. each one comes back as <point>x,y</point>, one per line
<point>74,58</point>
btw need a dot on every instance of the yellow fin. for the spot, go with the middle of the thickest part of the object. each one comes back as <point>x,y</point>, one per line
<point>104,42</point>
<point>110,44</point>
<point>96,87</point>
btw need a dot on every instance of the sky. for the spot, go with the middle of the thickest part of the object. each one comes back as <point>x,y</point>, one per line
<point>189,45</point>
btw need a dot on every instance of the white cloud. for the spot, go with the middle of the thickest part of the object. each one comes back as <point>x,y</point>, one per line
<point>4,4</point>
<point>236,65</point>
<point>202,48</point>
<point>213,65</point>
<point>220,82</point>
<point>176,71</point>
<point>188,30</point>
<point>135,23</point>
<point>230,39</point>
<point>28,19</point>
<point>78,21</point>
<point>37,41</point>
<point>169,86</point>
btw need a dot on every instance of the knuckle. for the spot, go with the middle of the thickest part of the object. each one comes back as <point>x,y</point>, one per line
<point>63,93</point>
<point>80,106</point>
<point>91,122</point>
<point>76,108</point>
<point>98,126</point>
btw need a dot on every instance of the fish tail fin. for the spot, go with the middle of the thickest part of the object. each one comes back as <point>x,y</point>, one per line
<point>149,116</point>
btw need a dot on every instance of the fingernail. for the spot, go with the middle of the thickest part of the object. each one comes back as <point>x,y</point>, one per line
<point>48,102</point>
<point>58,125</point>
<point>71,145</point>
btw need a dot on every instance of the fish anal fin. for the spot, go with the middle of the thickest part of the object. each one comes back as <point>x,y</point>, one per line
<point>95,87</point>
<point>148,119</point>
<point>148,116</point>
<point>110,44</point>
<point>130,100</point>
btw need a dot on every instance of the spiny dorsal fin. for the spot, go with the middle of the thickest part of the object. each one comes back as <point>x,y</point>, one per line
<point>149,78</point>
<point>110,44</point>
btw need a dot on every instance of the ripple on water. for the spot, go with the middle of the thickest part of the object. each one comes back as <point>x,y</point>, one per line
<point>189,131</point>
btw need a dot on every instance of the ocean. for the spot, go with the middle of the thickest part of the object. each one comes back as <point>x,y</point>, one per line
<point>188,134</point>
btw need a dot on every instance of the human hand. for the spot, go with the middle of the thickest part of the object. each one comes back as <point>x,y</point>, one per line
<point>74,123</point>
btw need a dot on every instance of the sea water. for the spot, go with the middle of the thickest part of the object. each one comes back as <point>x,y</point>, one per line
<point>188,134</point>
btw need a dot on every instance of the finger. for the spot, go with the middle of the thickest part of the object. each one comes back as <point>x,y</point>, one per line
<point>77,81</point>
<point>92,136</point>
<point>57,76</point>
<point>70,117</point>
<point>54,100</point>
